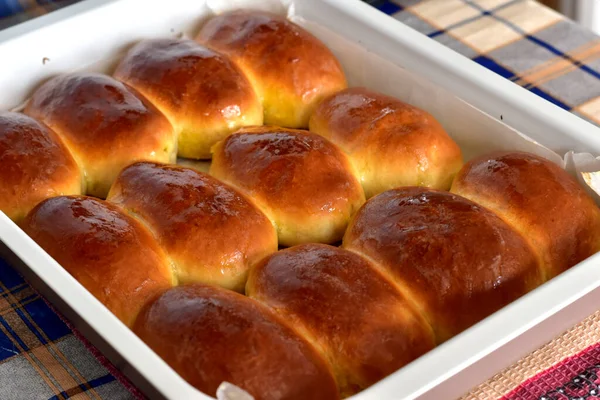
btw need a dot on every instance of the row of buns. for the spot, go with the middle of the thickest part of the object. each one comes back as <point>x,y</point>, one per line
<point>416,267</point>
<point>391,245</point>
<point>178,97</point>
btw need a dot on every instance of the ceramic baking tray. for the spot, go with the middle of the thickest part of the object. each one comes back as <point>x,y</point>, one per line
<point>376,51</point>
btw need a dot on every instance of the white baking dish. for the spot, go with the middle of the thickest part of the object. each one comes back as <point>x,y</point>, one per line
<point>92,34</point>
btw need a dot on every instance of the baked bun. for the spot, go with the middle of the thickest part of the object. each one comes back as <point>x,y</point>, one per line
<point>110,253</point>
<point>35,165</point>
<point>302,182</point>
<point>391,143</point>
<point>291,70</point>
<point>349,310</point>
<point>456,261</point>
<point>210,335</point>
<point>204,94</point>
<point>210,231</point>
<point>540,200</point>
<point>104,123</point>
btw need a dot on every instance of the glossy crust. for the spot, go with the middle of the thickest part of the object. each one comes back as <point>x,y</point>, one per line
<point>540,200</point>
<point>455,260</point>
<point>105,124</point>
<point>290,68</point>
<point>210,335</point>
<point>391,143</point>
<point>111,254</point>
<point>304,183</point>
<point>352,313</point>
<point>211,232</point>
<point>35,165</point>
<point>204,94</point>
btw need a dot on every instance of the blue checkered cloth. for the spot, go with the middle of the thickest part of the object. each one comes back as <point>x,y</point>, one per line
<point>40,355</point>
<point>13,12</point>
<point>520,40</point>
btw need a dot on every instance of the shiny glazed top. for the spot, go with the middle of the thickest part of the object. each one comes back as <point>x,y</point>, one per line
<point>210,335</point>
<point>105,124</point>
<point>182,77</point>
<point>212,233</point>
<point>296,172</point>
<point>357,115</point>
<point>111,254</point>
<point>391,143</point>
<point>34,165</point>
<point>355,315</point>
<point>96,113</point>
<point>541,200</point>
<point>287,64</point>
<point>455,260</point>
<point>197,88</point>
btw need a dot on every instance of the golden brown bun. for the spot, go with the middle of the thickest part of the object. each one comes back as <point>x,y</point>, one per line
<point>204,94</point>
<point>105,124</point>
<point>302,182</point>
<point>211,232</point>
<point>540,200</point>
<point>210,335</point>
<point>346,308</point>
<point>34,165</point>
<point>391,143</point>
<point>291,69</point>
<point>455,260</point>
<point>111,254</point>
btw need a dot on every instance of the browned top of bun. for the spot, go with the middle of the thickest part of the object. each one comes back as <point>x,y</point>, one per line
<point>540,199</point>
<point>457,261</point>
<point>187,80</point>
<point>111,254</point>
<point>210,335</point>
<point>355,315</point>
<point>356,116</point>
<point>105,124</point>
<point>96,113</point>
<point>386,136</point>
<point>272,44</point>
<point>203,224</point>
<point>294,171</point>
<point>35,165</point>
<point>278,55</point>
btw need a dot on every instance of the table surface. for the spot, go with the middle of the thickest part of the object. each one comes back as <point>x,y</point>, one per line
<point>41,357</point>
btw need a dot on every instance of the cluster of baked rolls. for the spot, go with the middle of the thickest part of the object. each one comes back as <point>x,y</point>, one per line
<point>336,237</point>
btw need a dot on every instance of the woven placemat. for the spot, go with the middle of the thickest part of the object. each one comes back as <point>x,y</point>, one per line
<point>539,370</point>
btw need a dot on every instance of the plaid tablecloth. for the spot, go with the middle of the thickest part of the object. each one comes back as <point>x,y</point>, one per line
<point>13,12</point>
<point>41,357</point>
<point>520,40</point>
